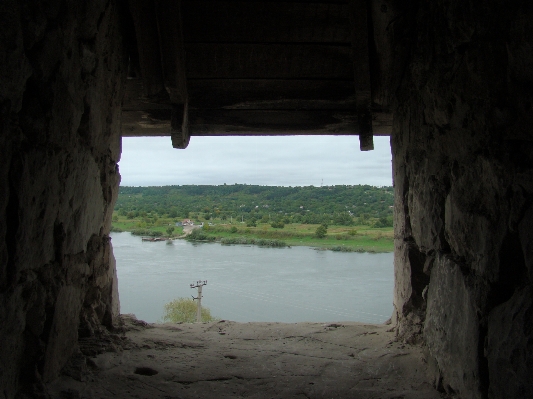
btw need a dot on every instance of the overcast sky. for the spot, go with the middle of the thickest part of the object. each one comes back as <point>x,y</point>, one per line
<point>271,161</point>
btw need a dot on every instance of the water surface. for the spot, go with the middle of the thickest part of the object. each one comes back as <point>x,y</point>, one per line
<point>249,283</point>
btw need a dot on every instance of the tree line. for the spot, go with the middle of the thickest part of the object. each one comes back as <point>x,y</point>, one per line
<point>339,204</point>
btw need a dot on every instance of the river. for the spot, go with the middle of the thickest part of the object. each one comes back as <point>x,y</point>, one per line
<point>249,283</point>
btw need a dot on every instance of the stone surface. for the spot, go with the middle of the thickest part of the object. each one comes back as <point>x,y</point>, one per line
<point>457,75</point>
<point>451,328</point>
<point>510,347</point>
<point>253,360</point>
<point>461,154</point>
<point>60,93</point>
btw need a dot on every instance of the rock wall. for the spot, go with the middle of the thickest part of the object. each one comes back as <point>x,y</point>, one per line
<point>463,175</point>
<point>61,67</point>
<point>461,77</point>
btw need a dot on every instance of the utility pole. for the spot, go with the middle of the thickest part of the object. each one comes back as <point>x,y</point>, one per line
<point>199,285</point>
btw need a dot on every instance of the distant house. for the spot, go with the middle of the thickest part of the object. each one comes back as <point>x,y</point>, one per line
<point>187,222</point>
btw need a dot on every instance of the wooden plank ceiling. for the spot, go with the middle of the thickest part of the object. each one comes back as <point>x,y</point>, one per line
<point>250,68</point>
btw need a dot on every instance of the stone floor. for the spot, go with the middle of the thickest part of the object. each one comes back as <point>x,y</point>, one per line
<point>250,360</point>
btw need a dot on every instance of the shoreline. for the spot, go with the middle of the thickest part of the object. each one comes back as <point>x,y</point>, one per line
<point>339,238</point>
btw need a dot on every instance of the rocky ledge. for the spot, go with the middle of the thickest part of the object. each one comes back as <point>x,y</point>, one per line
<point>254,360</point>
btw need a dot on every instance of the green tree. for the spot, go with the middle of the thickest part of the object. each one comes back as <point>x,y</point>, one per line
<point>183,310</point>
<point>383,222</point>
<point>321,231</point>
<point>170,230</point>
<point>251,223</point>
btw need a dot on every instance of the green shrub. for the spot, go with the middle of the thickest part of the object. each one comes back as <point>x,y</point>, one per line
<point>321,231</point>
<point>116,229</point>
<point>271,243</point>
<point>252,241</point>
<point>236,240</point>
<point>346,249</point>
<point>146,232</point>
<point>183,310</point>
<point>199,235</point>
<point>233,229</point>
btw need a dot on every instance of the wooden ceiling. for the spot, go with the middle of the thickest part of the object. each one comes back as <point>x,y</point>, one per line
<point>211,68</point>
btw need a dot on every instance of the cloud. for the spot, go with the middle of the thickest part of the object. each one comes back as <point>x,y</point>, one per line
<point>265,160</point>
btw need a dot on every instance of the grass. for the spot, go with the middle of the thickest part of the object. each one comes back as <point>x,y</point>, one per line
<point>359,238</point>
<point>339,238</point>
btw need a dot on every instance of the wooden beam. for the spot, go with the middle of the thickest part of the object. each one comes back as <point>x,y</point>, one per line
<point>271,93</point>
<point>168,13</point>
<point>268,61</point>
<point>231,122</point>
<point>179,126</point>
<point>361,66</point>
<point>265,21</point>
<point>144,20</point>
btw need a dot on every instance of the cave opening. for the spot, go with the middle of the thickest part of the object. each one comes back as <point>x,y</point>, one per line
<point>449,81</point>
<point>285,293</point>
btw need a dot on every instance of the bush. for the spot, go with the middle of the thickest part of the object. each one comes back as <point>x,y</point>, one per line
<point>146,232</point>
<point>321,231</point>
<point>252,241</point>
<point>233,230</point>
<point>278,225</point>
<point>116,229</point>
<point>183,310</point>
<point>235,240</point>
<point>346,249</point>
<point>271,243</point>
<point>199,235</point>
<point>383,222</point>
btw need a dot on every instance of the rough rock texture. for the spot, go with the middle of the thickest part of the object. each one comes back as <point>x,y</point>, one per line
<point>459,74</point>
<point>463,175</point>
<point>60,73</point>
<point>251,360</point>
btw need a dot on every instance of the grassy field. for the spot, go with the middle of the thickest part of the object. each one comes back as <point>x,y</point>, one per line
<point>344,238</point>
<point>340,238</point>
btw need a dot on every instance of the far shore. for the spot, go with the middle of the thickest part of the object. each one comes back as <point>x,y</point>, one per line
<point>338,238</point>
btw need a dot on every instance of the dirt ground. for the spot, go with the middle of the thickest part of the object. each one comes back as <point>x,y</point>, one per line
<point>247,360</point>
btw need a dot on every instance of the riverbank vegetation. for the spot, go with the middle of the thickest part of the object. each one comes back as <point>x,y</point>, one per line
<point>183,310</point>
<point>340,218</point>
<point>338,238</point>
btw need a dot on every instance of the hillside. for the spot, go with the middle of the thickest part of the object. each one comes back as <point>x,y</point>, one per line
<point>340,205</point>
